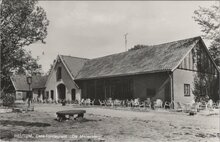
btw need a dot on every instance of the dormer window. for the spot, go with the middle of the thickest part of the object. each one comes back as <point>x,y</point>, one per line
<point>59,74</point>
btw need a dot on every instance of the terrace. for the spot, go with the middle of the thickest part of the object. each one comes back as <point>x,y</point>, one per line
<point>103,123</point>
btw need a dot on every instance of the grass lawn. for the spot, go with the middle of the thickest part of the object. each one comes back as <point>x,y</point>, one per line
<point>105,124</point>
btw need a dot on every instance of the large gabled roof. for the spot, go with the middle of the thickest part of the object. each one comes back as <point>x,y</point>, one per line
<point>20,82</point>
<point>156,58</point>
<point>74,64</point>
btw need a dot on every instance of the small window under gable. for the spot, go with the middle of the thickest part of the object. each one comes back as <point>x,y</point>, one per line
<point>186,89</point>
<point>59,73</point>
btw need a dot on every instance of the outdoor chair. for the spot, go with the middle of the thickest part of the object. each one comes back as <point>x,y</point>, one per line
<point>109,102</point>
<point>123,103</point>
<point>209,105</point>
<point>168,104</point>
<point>82,102</point>
<point>92,102</point>
<point>216,105</point>
<point>49,100</point>
<point>202,105</point>
<point>186,107</point>
<point>178,107</point>
<point>136,103</point>
<point>142,104</point>
<point>88,101</point>
<point>128,103</point>
<point>117,102</point>
<point>158,103</point>
<point>102,103</point>
<point>194,107</point>
<point>39,100</point>
<point>147,103</point>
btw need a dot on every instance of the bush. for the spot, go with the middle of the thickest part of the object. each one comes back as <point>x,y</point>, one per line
<point>63,102</point>
<point>8,99</point>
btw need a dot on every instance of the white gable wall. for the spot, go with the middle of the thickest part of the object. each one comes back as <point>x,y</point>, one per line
<point>181,77</point>
<point>66,79</point>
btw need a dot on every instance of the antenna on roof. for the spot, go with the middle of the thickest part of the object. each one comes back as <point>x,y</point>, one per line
<point>126,41</point>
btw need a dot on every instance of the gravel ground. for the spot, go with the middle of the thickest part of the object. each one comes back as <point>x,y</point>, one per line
<point>109,124</point>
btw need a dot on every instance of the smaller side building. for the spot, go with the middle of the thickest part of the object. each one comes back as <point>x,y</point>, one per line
<point>21,88</point>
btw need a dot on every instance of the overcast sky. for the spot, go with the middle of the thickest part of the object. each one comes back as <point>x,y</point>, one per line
<point>94,29</point>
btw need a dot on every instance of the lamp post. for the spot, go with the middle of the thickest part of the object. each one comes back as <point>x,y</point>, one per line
<point>29,81</point>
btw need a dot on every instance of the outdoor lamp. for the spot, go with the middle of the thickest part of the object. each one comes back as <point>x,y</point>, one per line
<point>29,80</point>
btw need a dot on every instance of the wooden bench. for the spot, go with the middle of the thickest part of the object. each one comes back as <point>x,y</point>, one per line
<point>61,115</point>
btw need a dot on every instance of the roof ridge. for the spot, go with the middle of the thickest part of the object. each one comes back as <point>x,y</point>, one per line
<point>175,41</point>
<point>75,57</point>
<point>147,46</point>
<point>26,75</point>
<point>133,50</point>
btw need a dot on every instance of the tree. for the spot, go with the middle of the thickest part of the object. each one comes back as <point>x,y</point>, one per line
<point>51,67</point>
<point>23,22</point>
<point>205,78</point>
<point>209,20</point>
<point>138,46</point>
<point>205,87</point>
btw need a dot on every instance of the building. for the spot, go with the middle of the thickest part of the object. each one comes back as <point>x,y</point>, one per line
<point>21,88</point>
<point>166,71</point>
<point>169,71</point>
<point>61,83</point>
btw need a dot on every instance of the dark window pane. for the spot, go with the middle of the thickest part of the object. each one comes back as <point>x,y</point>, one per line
<point>186,89</point>
<point>59,75</point>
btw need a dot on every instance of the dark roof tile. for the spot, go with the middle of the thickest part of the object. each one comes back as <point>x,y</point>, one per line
<point>74,64</point>
<point>163,57</point>
<point>20,82</point>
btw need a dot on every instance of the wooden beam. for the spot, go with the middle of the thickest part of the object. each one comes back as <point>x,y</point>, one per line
<point>95,89</point>
<point>104,89</point>
<point>171,87</point>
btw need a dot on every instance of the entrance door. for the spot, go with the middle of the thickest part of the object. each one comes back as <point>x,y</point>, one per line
<point>52,94</point>
<point>61,89</point>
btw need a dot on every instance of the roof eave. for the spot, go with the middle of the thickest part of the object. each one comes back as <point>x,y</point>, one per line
<point>68,71</point>
<point>49,76</point>
<point>210,55</point>
<point>176,66</point>
<point>13,82</point>
<point>122,75</point>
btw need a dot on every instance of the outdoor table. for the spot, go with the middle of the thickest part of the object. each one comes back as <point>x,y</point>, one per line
<point>61,115</point>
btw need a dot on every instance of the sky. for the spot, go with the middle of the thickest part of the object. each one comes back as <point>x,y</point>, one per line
<point>92,29</point>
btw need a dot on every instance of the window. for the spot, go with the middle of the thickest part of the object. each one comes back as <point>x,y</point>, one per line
<point>73,93</point>
<point>47,95</point>
<point>19,96</point>
<point>186,89</point>
<point>38,93</point>
<point>52,94</point>
<point>151,92</point>
<point>59,75</point>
